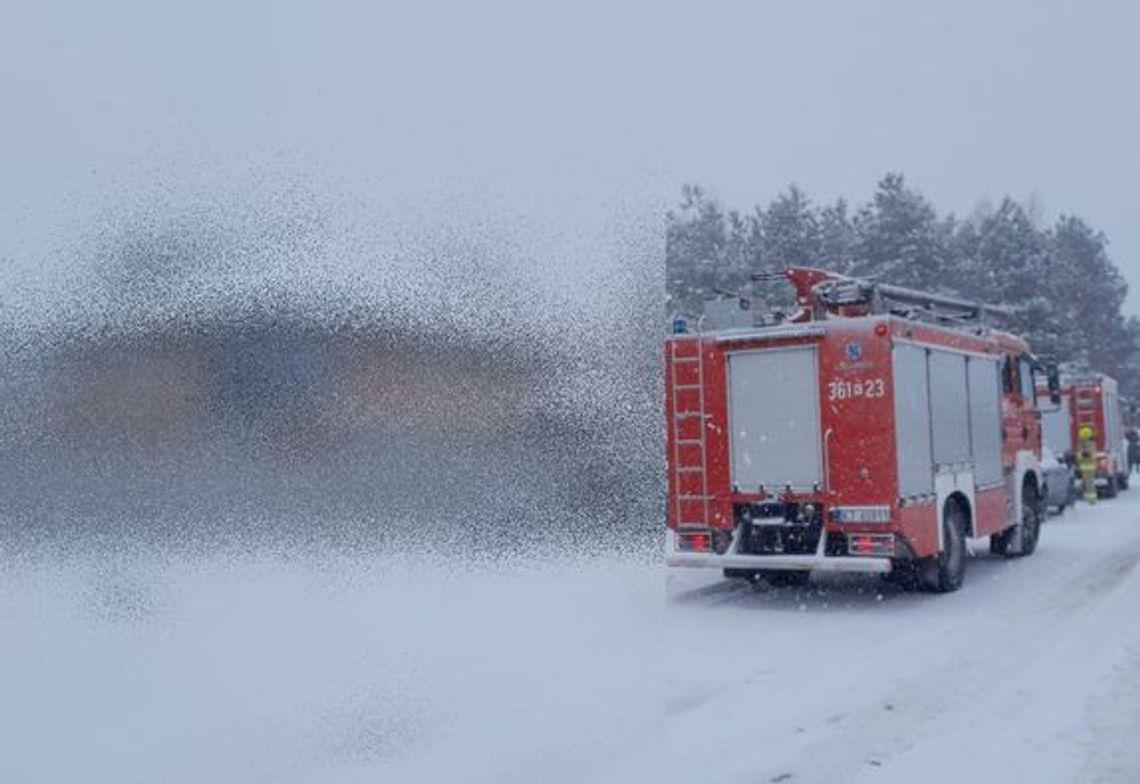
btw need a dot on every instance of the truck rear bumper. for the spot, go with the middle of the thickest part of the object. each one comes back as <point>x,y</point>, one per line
<point>784,563</point>
<point>787,563</point>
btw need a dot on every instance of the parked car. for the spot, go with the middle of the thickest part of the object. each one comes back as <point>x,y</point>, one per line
<point>1060,480</point>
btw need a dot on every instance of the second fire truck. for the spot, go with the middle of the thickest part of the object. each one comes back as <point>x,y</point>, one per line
<point>1092,400</point>
<point>875,429</point>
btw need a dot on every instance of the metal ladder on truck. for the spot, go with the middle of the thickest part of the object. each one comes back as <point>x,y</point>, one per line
<point>907,303</point>
<point>690,456</point>
<point>1086,409</point>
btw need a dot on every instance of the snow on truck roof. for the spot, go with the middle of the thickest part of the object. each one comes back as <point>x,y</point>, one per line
<point>829,303</point>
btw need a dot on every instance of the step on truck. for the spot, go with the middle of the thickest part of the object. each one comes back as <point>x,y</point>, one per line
<point>875,429</point>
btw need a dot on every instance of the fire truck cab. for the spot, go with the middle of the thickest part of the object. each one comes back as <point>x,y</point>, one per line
<point>874,430</point>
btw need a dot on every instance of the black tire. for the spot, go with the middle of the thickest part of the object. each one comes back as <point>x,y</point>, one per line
<point>946,571</point>
<point>1122,481</point>
<point>1030,520</point>
<point>999,542</point>
<point>1002,543</point>
<point>741,574</point>
<point>1061,508</point>
<point>1109,488</point>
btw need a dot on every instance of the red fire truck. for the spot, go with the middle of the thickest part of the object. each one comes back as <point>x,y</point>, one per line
<point>1093,400</point>
<point>874,430</point>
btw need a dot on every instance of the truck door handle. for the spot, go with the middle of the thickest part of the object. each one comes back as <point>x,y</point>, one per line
<point>826,461</point>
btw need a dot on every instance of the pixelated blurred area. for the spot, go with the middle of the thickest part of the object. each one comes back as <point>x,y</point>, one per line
<point>196,395</point>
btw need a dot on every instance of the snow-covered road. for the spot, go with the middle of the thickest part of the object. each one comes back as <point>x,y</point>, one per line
<point>238,667</point>
<point>1031,671</point>
<point>241,668</point>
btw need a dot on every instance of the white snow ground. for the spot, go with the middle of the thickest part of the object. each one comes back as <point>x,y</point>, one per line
<point>262,669</point>
<point>1031,672</point>
<point>257,668</point>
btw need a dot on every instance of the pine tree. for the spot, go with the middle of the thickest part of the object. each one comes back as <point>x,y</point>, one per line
<point>1088,292</point>
<point>836,239</point>
<point>695,241</point>
<point>1010,266</point>
<point>790,232</point>
<point>1064,288</point>
<point>898,238</point>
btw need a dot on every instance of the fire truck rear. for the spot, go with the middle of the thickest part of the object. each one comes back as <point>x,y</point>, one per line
<point>875,430</point>
<point>1095,402</point>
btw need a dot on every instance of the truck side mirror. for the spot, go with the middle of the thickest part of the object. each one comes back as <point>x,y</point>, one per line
<point>1053,377</point>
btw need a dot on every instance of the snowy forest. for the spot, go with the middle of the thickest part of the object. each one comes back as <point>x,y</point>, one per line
<point>1058,277</point>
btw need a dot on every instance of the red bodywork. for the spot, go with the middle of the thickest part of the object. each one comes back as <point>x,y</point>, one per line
<point>1094,401</point>
<point>857,432</point>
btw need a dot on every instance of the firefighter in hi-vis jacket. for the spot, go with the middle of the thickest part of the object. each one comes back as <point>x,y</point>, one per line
<point>1086,462</point>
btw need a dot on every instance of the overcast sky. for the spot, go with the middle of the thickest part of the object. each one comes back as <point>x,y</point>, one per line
<point>582,107</point>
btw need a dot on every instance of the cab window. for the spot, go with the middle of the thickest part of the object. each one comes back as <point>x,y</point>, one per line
<point>1017,378</point>
<point>1026,376</point>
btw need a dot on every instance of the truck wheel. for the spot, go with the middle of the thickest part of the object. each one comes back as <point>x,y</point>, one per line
<point>1002,543</point>
<point>1110,488</point>
<point>999,542</point>
<point>945,572</point>
<point>1030,520</point>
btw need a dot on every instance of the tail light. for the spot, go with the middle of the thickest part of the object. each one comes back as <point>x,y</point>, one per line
<point>880,545</point>
<point>699,542</point>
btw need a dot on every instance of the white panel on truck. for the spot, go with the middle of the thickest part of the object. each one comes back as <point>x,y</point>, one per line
<point>948,407</point>
<point>912,420</point>
<point>1058,423</point>
<point>1114,437</point>
<point>985,418</point>
<point>774,418</point>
